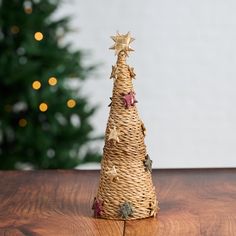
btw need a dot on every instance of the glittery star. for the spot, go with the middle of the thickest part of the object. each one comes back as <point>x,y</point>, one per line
<point>129,99</point>
<point>143,129</point>
<point>148,163</point>
<point>113,135</point>
<point>113,174</point>
<point>126,210</point>
<point>132,73</point>
<point>122,42</point>
<point>97,207</point>
<point>114,72</point>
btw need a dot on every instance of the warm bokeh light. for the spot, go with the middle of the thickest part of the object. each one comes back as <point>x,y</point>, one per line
<point>43,107</point>
<point>15,29</point>
<point>38,36</point>
<point>28,10</point>
<point>36,85</point>
<point>71,103</point>
<point>52,81</point>
<point>22,122</point>
<point>28,6</point>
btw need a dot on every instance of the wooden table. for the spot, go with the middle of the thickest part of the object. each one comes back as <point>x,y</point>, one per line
<point>57,202</point>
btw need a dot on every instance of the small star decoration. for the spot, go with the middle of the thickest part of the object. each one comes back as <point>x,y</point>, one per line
<point>113,135</point>
<point>126,210</point>
<point>129,99</point>
<point>97,207</point>
<point>114,72</point>
<point>148,163</point>
<point>110,102</point>
<point>113,174</point>
<point>122,42</point>
<point>153,208</point>
<point>143,129</point>
<point>131,72</point>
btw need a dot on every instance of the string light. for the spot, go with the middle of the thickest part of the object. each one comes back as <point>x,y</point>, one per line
<point>28,10</point>
<point>36,85</point>
<point>38,36</point>
<point>43,107</point>
<point>71,103</point>
<point>22,122</point>
<point>52,81</point>
<point>28,7</point>
<point>15,29</point>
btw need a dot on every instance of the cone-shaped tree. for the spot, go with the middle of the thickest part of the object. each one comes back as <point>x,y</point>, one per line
<point>125,190</point>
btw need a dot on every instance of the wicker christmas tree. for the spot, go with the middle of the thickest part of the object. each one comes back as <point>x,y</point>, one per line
<point>125,189</point>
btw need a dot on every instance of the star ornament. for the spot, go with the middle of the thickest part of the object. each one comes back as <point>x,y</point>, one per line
<point>131,72</point>
<point>153,208</point>
<point>113,174</point>
<point>122,42</point>
<point>114,135</point>
<point>114,72</point>
<point>110,102</point>
<point>144,131</point>
<point>97,207</point>
<point>148,163</point>
<point>129,99</point>
<point>126,210</point>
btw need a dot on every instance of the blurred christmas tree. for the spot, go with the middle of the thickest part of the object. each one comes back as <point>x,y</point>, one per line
<point>43,121</point>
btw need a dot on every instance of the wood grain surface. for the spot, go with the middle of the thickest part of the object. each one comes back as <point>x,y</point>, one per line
<point>56,202</point>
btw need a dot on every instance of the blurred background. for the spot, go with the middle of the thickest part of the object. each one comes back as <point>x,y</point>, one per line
<point>55,87</point>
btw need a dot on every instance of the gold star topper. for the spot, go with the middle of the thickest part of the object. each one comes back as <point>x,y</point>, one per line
<point>122,42</point>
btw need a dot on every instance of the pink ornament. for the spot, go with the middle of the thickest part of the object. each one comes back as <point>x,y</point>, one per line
<point>97,207</point>
<point>129,99</point>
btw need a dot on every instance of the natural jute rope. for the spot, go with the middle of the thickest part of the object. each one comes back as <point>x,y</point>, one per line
<point>125,189</point>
